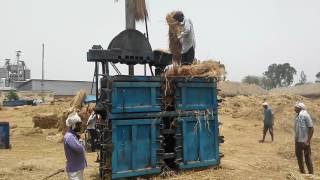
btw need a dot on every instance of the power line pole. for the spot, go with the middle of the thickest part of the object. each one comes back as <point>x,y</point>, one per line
<point>42,77</point>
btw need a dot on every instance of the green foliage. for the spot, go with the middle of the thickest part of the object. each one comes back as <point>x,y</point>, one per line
<point>280,75</point>
<point>12,95</point>
<point>261,81</point>
<point>303,78</point>
<point>266,83</point>
<point>318,77</point>
<point>252,80</point>
<point>277,75</point>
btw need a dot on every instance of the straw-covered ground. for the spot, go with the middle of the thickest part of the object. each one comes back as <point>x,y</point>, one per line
<point>36,152</point>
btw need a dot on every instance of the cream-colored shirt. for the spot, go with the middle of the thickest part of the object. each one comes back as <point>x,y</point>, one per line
<point>302,124</point>
<point>187,39</point>
<point>92,120</point>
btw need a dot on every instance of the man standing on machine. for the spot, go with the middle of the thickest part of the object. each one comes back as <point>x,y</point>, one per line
<point>187,38</point>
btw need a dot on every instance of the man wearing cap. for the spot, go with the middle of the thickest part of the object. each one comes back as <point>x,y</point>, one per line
<point>74,150</point>
<point>303,127</point>
<point>268,121</point>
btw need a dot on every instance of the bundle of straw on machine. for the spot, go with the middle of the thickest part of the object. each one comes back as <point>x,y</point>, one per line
<point>76,106</point>
<point>209,69</point>
<point>174,42</point>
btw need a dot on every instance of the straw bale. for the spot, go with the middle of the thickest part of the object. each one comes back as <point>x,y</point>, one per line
<point>45,120</point>
<point>174,43</point>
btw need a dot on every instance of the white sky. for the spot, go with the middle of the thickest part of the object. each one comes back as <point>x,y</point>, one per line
<point>245,35</point>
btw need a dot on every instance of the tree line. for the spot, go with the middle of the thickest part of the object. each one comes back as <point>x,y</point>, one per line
<point>278,75</point>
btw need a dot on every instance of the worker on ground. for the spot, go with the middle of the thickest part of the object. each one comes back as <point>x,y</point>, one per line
<point>268,121</point>
<point>303,127</point>
<point>91,128</point>
<point>74,149</point>
<point>187,38</point>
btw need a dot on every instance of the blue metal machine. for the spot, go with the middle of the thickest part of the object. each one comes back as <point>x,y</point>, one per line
<point>146,127</point>
<point>4,135</point>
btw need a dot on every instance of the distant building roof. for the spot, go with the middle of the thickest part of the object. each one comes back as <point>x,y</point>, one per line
<point>59,87</point>
<point>7,88</point>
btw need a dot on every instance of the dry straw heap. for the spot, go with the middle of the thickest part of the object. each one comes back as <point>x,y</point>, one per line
<point>76,105</point>
<point>139,9</point>
<point>209,68</point>
<point>45,121</point>
<point>76,102</point>
<point>174,43</point>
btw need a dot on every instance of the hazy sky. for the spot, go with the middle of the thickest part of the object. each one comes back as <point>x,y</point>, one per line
<point>245,35</point>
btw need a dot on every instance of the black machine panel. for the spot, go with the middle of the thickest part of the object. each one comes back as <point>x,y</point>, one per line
<point>129,47</point>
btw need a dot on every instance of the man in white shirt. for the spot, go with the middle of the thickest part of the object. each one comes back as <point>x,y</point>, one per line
<point>187,38</point>
<point>303,127</point>
<point>91,127</point>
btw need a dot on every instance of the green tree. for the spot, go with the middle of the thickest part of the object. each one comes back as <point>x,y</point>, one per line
<point>280,75</point>
<point>266,83</point>
<point>252,80</point>
<point>12,95</point>
<point>318,77</point>
<point>261,81</point>
<point>303,78</point>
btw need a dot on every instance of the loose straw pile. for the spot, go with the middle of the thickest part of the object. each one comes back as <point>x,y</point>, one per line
<point>210,69</point>
<point>174,42</point>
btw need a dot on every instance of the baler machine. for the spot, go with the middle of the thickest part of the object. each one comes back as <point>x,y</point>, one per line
<point>147,130</point>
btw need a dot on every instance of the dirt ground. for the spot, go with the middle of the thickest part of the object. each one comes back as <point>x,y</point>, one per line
<point>36,153</point>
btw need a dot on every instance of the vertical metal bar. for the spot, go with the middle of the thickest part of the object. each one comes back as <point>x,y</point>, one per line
<point>24,73</point>
<point>130,24</point>
<point>153,150</point>
<point>145,21</point>
<point>96,71</point>
<point>107,68</point>
<point>147,33</point>
<point>103,67</point>
<point>134,148</point>
<point>151,70</point>
<point>130,20</point>
<point>115,143</point>
<point>42,77</point>
<point>92,84</point>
